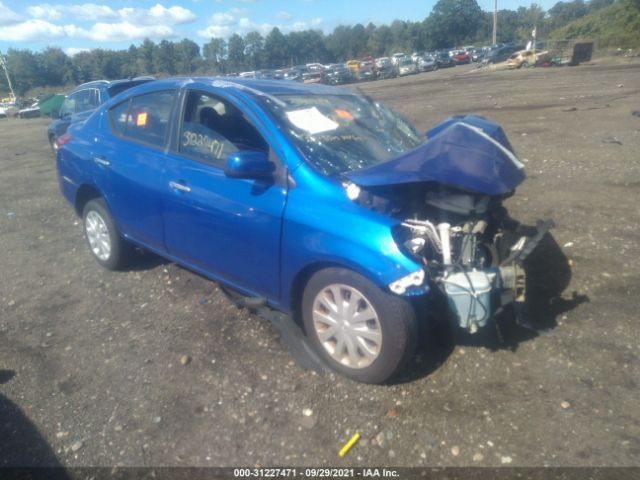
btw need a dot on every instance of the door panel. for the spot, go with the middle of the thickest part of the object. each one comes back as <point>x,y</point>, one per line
<point>229,227</point>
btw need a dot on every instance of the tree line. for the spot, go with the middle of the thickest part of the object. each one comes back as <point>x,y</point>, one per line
<point>451,23</point>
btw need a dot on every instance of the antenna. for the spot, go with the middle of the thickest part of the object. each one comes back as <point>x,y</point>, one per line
<point>3,63</point>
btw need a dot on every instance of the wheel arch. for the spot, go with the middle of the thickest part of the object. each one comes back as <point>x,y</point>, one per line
<point>301,279</point>
<point>85,193</point>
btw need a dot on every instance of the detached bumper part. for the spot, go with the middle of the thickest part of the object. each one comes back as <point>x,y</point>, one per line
<point>414,279</point>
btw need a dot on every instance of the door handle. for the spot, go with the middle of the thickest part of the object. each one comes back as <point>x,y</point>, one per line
<point>179,186</point>
<point>101,161</point>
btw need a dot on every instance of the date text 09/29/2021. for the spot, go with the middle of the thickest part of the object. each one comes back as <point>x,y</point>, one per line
<point>314,473</point>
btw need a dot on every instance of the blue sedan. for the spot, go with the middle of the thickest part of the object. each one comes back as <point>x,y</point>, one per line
<point>319,202</point>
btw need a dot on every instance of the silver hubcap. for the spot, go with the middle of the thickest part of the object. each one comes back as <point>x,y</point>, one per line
<point>98,235</point>
<point>347,326</point>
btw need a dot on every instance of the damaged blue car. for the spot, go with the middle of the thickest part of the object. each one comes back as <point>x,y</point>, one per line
<point>312,200</point>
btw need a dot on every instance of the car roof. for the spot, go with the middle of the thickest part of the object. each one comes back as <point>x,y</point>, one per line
<point>253,86</point>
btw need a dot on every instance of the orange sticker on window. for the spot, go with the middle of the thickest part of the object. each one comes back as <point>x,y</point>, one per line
<point>141,119</point>
<point>343,114</point>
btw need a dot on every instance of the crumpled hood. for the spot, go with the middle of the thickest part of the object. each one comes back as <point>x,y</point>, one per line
<point>467,152</point>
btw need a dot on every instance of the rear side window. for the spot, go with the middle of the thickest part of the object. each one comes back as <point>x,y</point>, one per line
<point>144,118</point>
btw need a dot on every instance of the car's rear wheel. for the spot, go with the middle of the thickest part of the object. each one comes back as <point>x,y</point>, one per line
<point>361,331</point>
<point>104,241</point>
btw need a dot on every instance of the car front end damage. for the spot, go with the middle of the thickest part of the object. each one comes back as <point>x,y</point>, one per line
<point>447,196</point>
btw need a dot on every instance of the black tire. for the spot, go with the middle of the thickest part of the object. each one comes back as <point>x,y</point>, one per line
<point>120,250</point>
<point>396,317</point>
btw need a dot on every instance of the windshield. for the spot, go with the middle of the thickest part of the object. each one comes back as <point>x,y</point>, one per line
<point>342,133</point>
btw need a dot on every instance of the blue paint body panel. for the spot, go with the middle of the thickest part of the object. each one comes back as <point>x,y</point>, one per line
<point>259,235</point>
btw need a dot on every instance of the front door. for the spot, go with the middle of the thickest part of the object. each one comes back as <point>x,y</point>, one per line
<point>228,227</point>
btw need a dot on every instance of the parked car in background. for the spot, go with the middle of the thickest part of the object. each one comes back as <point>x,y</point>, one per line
<point>337,74</point>
<point>461,57</point>
<point>443,60</point>
<point>501,54</point>
<point>397,57</point>
<point>385,68</point>
<point>406,67</point>
<point>312,200</point>
<point>83,100</point>
<point>296,74</point>
<point>32,111</point>
<point>353,66</point>
<point>427,64</point>
<point>366,73</point>
<point>529,58</point>
<point>415,56</point>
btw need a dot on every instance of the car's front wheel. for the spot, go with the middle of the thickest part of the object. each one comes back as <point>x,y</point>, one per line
<point>360,330</point>
<point>105,242</point>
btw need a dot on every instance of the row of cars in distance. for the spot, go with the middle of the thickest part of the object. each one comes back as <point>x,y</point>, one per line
<point>365,69</point>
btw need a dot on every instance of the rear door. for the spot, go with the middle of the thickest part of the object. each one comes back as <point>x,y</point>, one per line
<point>130,157</point>
<point>228,227</point>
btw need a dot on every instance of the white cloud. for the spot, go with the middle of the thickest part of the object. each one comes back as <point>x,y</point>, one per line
<point>158,14</point>
<point>225,24</point>
<point>119,32</point>
<point>71,51</point>
<point>40,30</point>
<point>31,30</point>
<point>8,16</point>
<point>312,24</point>
<point>282,15</point>
<point>85,11</point>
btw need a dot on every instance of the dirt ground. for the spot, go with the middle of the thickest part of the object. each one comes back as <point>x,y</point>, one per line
<point>90,360</point>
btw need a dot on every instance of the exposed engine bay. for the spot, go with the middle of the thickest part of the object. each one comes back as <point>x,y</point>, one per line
<point>471,250</point>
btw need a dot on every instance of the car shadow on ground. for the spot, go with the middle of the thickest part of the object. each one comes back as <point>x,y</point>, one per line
<point>548,276</point>
<point>142,260</point>
<point>24,453</point>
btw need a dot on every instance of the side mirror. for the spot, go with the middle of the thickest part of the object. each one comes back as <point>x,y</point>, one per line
<point>248,164</point>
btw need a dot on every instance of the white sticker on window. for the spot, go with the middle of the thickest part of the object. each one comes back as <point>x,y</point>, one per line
<point>311,120</point>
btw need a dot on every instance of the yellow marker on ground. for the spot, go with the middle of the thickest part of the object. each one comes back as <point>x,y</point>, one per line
<point>349,444</point>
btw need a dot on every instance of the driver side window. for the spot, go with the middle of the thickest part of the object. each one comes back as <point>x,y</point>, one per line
<point>212,128</point>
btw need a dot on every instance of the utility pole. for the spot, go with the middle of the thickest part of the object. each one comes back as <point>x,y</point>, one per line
<point>6,73</point>
<point>495,22</point>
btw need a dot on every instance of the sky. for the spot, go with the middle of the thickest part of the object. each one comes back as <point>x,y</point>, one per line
<point>115,24</point>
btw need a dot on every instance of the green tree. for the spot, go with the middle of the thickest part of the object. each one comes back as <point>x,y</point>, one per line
<point>187,57</point>
<point>214,53</point>
<point>24,70</point>
<point>454,22</point>
<point>254,50</point>
<point>276,52</point>
<point>235,55</point>
<point>164,58</point>
<point>145,57</point>
<point>56,67</point>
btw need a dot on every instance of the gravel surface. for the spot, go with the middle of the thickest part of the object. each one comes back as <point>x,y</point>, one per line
<point>154,366</point>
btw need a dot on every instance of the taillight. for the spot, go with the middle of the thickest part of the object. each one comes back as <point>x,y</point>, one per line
<point>60,141</point>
